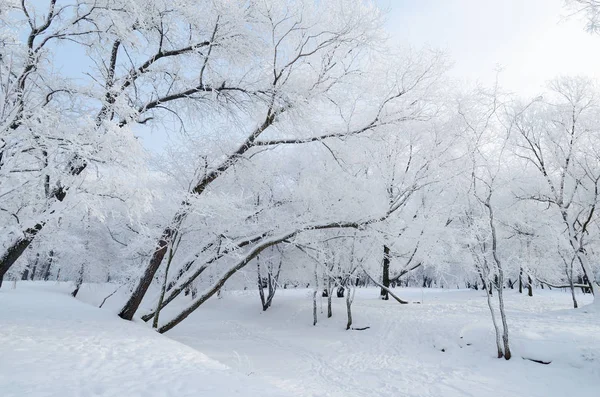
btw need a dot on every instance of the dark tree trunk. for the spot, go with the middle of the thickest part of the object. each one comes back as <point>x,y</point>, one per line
<point>25,275</point>
<point>15,251</point>
<point>529,286</point>
<point>349,311</point>
<point>163,288</point>
<point>168,233</point>
<point>521,281</point>
<point>78,282</point>
<point>329,293</point>
<point>128,311</point>
<point>385,280</point>
<point>34,270</point>
<point>46,275</point>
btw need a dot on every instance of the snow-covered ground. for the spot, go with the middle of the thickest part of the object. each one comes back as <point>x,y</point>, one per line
<point>52,344</point>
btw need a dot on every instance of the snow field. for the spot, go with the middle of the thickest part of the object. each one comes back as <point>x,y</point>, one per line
<point>54,345</point>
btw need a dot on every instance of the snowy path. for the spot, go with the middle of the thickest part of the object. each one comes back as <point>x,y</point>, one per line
<point>401,355</point>
<point>54,345</point>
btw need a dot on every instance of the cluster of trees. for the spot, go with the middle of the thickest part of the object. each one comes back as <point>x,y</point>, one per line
<point>305,150</point>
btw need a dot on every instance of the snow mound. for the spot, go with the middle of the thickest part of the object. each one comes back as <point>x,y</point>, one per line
<point>54,345</point>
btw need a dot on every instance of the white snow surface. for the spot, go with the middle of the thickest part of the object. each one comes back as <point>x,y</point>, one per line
<point>54,345</point>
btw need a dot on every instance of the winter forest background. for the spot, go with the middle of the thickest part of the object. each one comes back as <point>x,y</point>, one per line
<point>294,146</point>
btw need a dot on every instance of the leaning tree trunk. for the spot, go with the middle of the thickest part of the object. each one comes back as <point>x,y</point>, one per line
<point>385,279</point>
<point>168,233</point>
<point>163,289</point>
<point>131,306</point>
<point>15,251</point>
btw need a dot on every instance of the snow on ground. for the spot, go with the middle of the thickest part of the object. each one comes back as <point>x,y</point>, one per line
<point>54,345</point>
<point>401,354</point>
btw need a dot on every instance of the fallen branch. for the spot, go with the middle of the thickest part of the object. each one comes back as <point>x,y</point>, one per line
<point>104,300</point>
<point>402,302</point>
<point>359,329</point>
<point>537,361</point>
<point>563,286</point>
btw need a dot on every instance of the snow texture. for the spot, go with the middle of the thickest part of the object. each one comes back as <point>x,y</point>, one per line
<point>54,345</point>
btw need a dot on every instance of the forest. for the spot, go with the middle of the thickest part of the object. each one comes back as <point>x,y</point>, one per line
<point>238,159</point>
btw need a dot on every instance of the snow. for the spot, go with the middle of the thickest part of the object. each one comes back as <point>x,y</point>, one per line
<point>401,354</point>
<point>52,344</point>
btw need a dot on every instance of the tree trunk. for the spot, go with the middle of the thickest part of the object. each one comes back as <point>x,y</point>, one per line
<point>219,284</point>
<point>507,353</point>
<point>78,282</point>
<point>349,299</point>
<point>46,275</point>
<point>25,275</point>
<point>128,311</point>
<point>315,297</point>
<point>15,251</point>
<point>521,280</point>
<point>499,281</point>
<point>330,292</point>
<point>261,288</point>
<point>496,328</point>
<point>33,271</point>
<point>385,279</point>
<point>529,285</point>
<point>569,273</point>
<point>163,289</point>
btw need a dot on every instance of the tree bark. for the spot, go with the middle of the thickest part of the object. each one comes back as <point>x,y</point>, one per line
<point>330,292</point>
<point>46,275</point>
<point>499,278</point>
<point>163,289</point>
<point>139,292</point>
<point>385,279</point>
<point>78,282</point>
<point>403,302</point>
<point>521,280</point>
<point>349,300</point>
<point>129,309</point>
<point>15,251</point>
<point>315,297</point>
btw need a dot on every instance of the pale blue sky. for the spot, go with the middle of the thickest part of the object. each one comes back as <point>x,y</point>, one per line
<point>532,39</point>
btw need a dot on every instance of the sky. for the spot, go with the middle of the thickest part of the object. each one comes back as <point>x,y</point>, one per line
<point>532,41</point>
